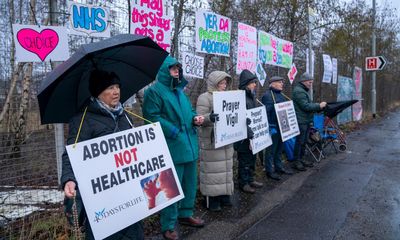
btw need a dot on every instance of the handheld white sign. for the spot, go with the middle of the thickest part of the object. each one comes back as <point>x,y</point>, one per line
<point>231,108</point>
<point>287,120</point>
<point>259,126</point>
<point>123,178</point>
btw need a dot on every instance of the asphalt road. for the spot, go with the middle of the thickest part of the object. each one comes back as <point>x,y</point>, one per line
<point>353,195</point>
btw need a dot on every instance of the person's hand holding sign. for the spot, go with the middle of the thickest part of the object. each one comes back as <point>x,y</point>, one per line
<point>198,120</point>
<point>69,189</point>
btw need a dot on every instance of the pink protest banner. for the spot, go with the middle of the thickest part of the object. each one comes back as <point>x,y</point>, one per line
<point>247,48</point>
<point>151,18</point>
<point>39,44</point>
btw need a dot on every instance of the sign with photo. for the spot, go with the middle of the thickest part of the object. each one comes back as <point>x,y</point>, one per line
<point>88,20</point>
<point>247,48</point>
<point>231,108</point>
<point>123,178</point>
<point>259,126</point>
<point>274,51</point>
<point>40,44</point>
<point>152,19</point>
<point>287,120</point>
<point>193,66</point>
<point>213,33</point>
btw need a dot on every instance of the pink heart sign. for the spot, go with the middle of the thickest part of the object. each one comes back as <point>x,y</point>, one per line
<point>41,44</point>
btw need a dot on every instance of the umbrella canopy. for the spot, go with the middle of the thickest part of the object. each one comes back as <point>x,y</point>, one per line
<point>334,108</point>
<point>135,59</point>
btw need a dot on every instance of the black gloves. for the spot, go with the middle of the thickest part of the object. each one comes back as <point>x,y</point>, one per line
<point>214,117</point>
<point>248,121</point>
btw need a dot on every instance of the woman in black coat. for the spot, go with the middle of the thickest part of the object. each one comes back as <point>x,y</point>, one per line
<point>104,115</point>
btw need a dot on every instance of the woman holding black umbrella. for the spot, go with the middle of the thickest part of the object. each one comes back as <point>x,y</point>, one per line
<point>104,115</point>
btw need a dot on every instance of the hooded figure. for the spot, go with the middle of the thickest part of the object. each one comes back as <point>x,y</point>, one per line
<point>104,115</point>
<point>216,177</point>
<point>247,161</point>
<point>165,102</point>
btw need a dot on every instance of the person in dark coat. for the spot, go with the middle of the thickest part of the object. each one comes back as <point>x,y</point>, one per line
<point>165,102</point>
<point>104,115</point>
<point>247,161</point>
<point>305,109</point>
<point>273,153</point>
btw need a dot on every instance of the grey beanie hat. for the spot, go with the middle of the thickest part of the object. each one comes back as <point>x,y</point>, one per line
<point>305,77</point>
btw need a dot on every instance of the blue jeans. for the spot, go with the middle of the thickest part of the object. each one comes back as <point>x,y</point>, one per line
<point>301,140</point>
<point>273,154</point>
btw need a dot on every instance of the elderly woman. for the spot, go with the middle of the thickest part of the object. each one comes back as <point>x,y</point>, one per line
<point>104,115</point>
<point>216,178</point>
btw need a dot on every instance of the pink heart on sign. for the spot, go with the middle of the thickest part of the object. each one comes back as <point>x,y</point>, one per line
<point>41,44</point>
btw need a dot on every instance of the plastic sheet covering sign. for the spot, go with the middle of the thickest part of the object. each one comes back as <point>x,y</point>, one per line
<point>326,78</point>
<point>345,92</point>
<point>152,19</point>
<point>274,51</point>
<point>259,126</point>
<point>193,66</point>
<point>213,33</point>
<point>123,178</point>
<point>357,107</point>
<point>40,44</point>
<point>334,70</point>
<point>247,48</point>
<point>231,108</point>
<point>287,120</point>
<point>88,20</point>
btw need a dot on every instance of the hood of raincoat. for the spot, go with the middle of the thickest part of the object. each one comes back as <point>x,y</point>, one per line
<point>215,77</point>
<point>165,78</point>
<point>245,78</point>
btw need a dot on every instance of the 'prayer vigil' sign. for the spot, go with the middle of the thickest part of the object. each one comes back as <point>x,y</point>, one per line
<point>213,33</point>
<point>274,51</point>
<point>123,178</point>
<point>231,108</point>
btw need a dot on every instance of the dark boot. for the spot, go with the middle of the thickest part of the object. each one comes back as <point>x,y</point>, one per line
<point>307,163</point>
<point>298,166</point>
<point>273,176</point>
<point>226,200</point>
<point>214,204</point>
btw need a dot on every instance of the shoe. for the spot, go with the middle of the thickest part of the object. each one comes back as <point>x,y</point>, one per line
<point>256,184</point>
<point>285,171</point>
<point>170,235</point>
<point>298,166</point>
<point>226,201</point>
<point>192,222</point>
<point>247,189</point>
<point>215,204</point>
<point>274,176</point>
<point>307,164</point>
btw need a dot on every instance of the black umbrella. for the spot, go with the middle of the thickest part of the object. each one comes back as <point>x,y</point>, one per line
<point>334,108</point>
<point>135,59</point>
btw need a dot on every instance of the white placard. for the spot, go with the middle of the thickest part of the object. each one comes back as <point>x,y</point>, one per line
<point>287,120</point>
<point>247,48</point>
<point>231,107</point>
<point>213,33</point>
<point>88,20</point>
<point>152,19</point>
<point>327,69</point>
<point>260,127</point>
<point>39,44</point>
<point>193,66</point>
<point>113,172</point>
<point>334,70</point>
<point>261,74</point>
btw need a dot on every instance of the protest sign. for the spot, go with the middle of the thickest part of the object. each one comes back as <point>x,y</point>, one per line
<point>344,93</point>
<point>261,74</point>
<point>39,44</point>
<point>123,178</point>
<point>287,120</point>
<point>247,48</point>
<point>311,72</point>
<point>152,19</point>
<point>231,108</point>
<point>334,70</point>
<point>292,73</point>
<point>193,66</point>
<point>213,33</point>
<point>88,20</point>
<point>274,51</point>
<point>357,107</point>
<point>327,69</point>
<point>259,126</point>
